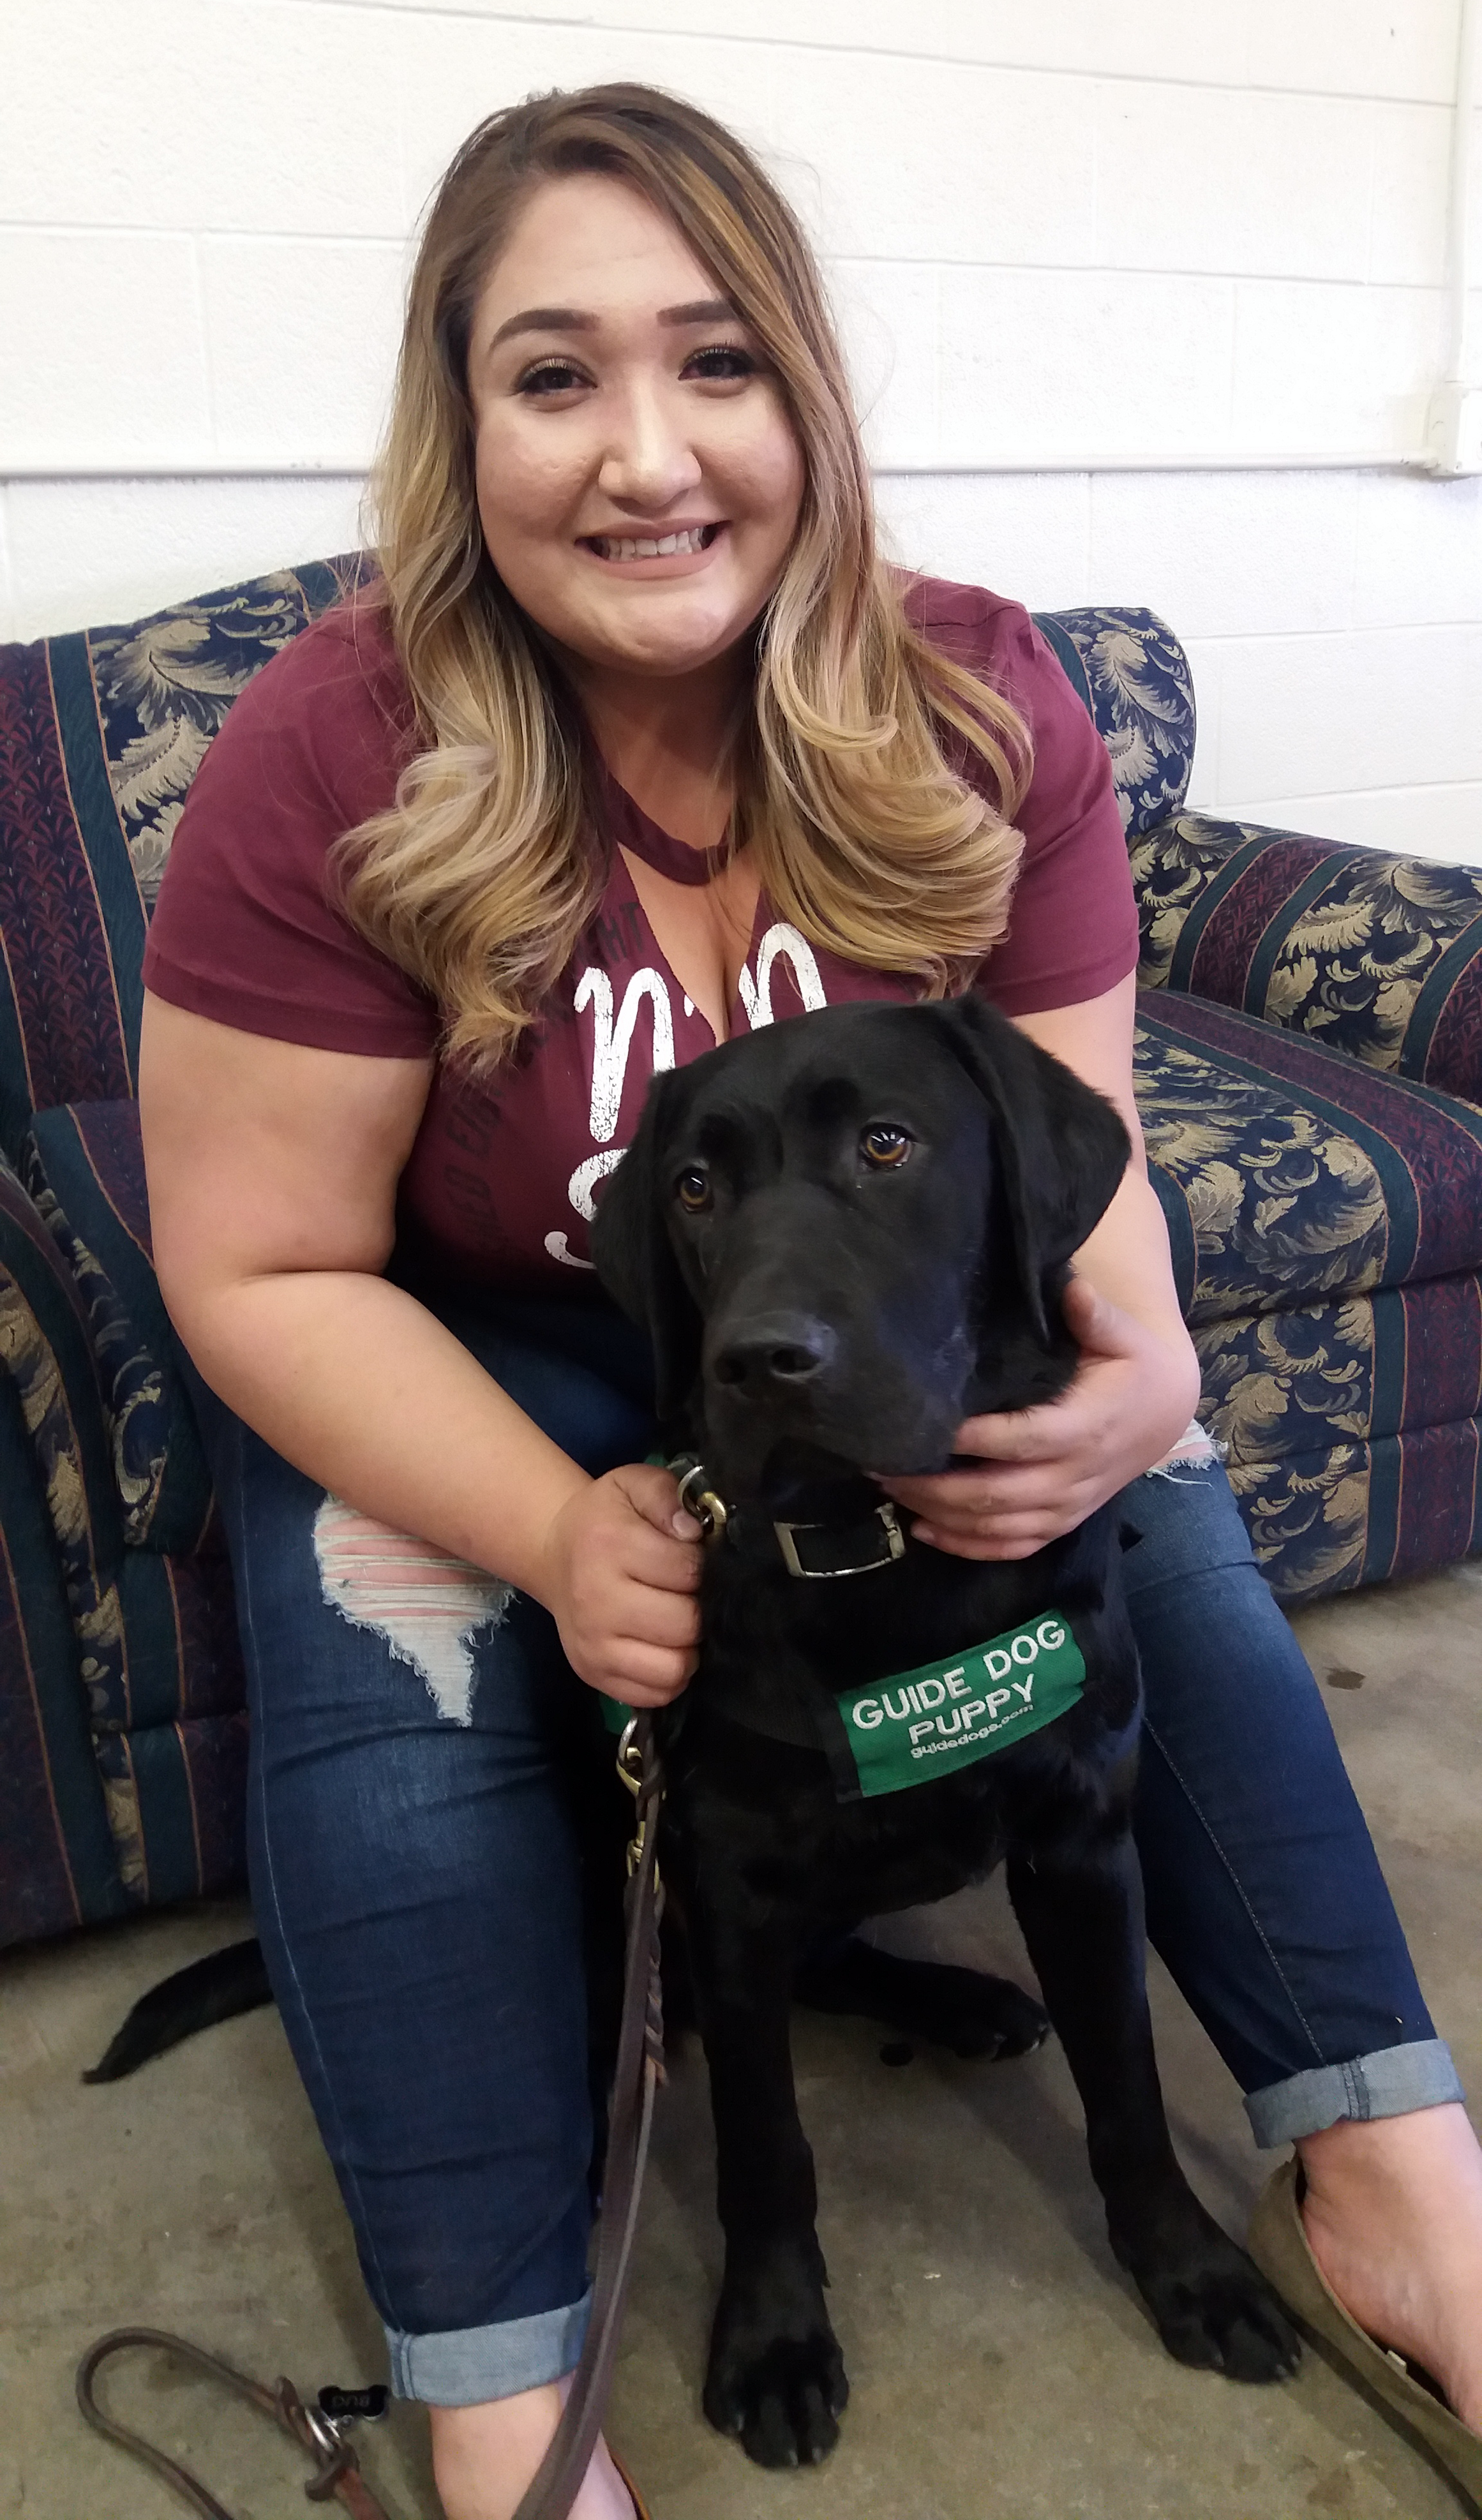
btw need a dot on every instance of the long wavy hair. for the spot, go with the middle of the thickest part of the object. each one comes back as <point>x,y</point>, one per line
<point>478,879</point>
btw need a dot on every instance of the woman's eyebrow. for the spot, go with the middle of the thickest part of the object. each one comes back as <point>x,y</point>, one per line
<point>699,310</point>
<point>569,319</point>
<point>544,319</point>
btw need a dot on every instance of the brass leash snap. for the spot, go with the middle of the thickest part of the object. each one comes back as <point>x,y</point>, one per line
<point>630,1767</point>
<point>696,1497</point>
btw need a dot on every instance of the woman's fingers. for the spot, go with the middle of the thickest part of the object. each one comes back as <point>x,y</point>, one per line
<point>643,1674</point>
<point>627,1576</point>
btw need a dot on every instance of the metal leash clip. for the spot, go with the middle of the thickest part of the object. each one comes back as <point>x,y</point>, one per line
<point>338,2409</point>
<point>630,1767</point>
<point>696,1495</point>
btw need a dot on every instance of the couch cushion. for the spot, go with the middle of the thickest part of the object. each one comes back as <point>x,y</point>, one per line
<point>1347,1513</point>
<point>1380,956</point>
<point>85,1169</point>
<point>1290,1173</point>
<point>1360,1368</point>
<point>100,732</point>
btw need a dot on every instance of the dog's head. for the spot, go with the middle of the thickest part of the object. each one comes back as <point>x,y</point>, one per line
<point>847,1231</point>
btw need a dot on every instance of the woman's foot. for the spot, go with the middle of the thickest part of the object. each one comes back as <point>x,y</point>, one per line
<point>484,2456</point>
<point>1393,2215</point>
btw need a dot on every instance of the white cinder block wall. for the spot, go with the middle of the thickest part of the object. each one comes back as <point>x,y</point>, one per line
<point>1144,302</point>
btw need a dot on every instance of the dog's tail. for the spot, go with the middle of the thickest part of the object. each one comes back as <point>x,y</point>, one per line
<point>215,1989</point>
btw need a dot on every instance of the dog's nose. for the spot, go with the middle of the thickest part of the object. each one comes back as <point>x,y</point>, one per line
<point>778,1353</point>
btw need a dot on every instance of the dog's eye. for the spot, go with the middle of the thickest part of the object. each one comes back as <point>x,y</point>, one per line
<point>692,1189</point>
<point>885,1148</point>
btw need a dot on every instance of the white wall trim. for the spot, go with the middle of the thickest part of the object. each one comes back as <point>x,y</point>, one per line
<point>214,467</point>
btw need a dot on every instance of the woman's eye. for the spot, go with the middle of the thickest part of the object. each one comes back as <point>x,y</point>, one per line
<point>692,1191</point>
<point>885,1148</point>
<point>552,375</point>
<point>720,365</point>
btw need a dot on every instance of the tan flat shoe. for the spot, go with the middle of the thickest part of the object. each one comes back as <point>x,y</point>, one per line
<point>1278,2241</point>
<point>639,2507</point>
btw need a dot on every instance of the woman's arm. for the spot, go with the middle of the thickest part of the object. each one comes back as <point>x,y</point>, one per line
<point>272,1177</point>
<point>1138,1378</point>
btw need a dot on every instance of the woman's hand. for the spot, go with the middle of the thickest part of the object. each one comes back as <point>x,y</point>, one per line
<point>1132,1398</point>
<point>623,1561</point>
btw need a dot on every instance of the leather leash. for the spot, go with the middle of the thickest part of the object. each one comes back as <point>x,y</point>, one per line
<point>639,2071</point>
<point>336,2470</point>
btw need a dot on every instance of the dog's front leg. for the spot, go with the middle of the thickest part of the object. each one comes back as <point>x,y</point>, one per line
<point>776,2376</point>
<point>1081,1917</point>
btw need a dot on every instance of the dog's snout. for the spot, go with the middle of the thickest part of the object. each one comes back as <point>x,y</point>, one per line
<point>779,1353</point>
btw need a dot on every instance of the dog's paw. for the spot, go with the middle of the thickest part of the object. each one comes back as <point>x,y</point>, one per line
<point>1214,2309</point>
<point>780,2395</point>
<point>966,2010</point>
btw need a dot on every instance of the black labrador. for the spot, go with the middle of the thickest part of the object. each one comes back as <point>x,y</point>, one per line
<point>845,1234</point>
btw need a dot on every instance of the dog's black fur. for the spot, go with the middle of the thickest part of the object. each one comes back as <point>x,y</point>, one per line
<point>845,1234</point>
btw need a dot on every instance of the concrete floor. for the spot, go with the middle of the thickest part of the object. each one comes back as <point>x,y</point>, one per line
<point>1002,2367</point>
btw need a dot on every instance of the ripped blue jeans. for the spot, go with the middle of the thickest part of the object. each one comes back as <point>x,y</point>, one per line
<point>416,1863</point>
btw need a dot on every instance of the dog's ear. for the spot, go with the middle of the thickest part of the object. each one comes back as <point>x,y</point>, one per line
<point>1061,1147</point>
<point>635,1259</point>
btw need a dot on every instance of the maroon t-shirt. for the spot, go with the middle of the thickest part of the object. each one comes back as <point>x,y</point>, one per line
<point>501,1184</point>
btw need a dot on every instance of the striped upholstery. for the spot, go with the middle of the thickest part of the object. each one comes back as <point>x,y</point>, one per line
<point>123,1736</point>
<point>1378,957</point>
<point>1322,1205</point>
<point>100,735</point>
<point>1327,1229</point>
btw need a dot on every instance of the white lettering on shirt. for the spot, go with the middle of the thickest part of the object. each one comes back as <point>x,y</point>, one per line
<point>613,1042</point>
<point>757,995</point>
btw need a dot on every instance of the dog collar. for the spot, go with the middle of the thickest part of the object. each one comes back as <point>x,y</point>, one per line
<point>816,1551</point>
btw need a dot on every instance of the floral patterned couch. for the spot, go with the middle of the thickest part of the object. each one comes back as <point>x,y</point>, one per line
<point>1309,1072</point>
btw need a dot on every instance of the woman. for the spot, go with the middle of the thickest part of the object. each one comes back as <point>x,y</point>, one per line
<point>636,742</point>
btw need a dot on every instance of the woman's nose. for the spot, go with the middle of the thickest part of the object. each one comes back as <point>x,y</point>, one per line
<point>650,461</point>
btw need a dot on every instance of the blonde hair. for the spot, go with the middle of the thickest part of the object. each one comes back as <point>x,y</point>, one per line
<point>480,876</point>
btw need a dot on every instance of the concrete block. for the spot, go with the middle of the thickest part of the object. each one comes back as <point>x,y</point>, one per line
<point>474,66</point>
<point>83,553</point>
<point>303,336</point>
<point>105,355</point>
<point>1066,364</point>
<point>162,114</point>
<point>1213,179</point>
<point>1443,821</point>
<point>1325,367</point>
<point>1153,39</point>
<point>1206,664</point>
<point>1223,552</point>
<point>887,317</point>
<point>1419,555</point>
<point>1412,152</point>
<point>1021,534</point>
<point>977,165</point>
<point>1354,47</point>
<point>1364,709</point>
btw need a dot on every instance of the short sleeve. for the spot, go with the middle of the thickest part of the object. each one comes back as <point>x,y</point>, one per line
<point>248,929</point>
<point>1073,924</point>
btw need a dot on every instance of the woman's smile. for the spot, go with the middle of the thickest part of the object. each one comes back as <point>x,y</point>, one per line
<point>669,551</point>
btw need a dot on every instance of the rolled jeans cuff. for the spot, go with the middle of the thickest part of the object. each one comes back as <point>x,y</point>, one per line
<point>1385,2085</point>
<point>466,2366</point>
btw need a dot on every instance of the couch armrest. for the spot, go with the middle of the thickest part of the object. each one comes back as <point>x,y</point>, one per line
<point>1374,954</point>
<point>61,1622</point>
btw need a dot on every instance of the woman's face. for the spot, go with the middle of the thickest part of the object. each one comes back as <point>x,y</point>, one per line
<point>638,476</point>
